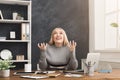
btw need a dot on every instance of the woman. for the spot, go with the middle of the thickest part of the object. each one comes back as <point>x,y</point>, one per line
<point>59,52</point>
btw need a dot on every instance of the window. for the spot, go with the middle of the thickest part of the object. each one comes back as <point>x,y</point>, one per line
<point>104,37</point>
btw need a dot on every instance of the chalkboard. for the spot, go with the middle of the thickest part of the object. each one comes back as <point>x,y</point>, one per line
<point>71,15</point>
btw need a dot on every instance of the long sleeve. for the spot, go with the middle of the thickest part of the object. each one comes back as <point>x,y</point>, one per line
<point>73,63</point>
<point>42,62</point>
<point>57,56</point>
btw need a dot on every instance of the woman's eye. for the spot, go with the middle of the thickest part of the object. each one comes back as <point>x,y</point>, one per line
<point>61,33</point>
<point>55,33</point>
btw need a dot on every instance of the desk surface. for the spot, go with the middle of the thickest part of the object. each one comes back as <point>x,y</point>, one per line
<point>115,75</point>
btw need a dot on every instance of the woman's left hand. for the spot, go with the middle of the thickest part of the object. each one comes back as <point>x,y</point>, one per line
<point>72,45</point>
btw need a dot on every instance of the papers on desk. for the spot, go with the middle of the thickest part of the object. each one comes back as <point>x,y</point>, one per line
<point>73,75</point>
<point>34,77</point>
<point>53,75</point>
<point>74,71</point>
<point>47,74</point>
<point>51,72</point>
<point>22,73</point>
<point>36,72</point>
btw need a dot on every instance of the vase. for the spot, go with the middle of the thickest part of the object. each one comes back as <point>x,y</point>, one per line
<point>4,73</point>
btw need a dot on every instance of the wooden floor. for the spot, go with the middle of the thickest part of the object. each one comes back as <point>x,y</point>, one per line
<point>114,75</point>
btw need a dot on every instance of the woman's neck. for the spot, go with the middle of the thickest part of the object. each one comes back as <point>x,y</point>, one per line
<point>58,44</point>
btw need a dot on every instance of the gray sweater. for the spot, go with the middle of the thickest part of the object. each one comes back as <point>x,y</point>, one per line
<point>58,56</point>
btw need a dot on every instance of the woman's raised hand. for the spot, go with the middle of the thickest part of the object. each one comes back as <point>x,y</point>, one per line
<point>42,46</point>
<point>72,45</point>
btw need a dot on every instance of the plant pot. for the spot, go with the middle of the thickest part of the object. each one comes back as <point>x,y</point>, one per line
<point>4,73</point>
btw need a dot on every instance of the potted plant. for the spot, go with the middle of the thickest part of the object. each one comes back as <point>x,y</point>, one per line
<point>5,66</point>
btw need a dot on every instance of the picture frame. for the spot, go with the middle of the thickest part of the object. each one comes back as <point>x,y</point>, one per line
<point>1,15</point>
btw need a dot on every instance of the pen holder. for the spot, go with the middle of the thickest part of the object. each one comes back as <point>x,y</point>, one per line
<point>89,68</point>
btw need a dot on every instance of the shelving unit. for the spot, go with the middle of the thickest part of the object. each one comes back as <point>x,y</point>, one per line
<point>14,40</point>
<point>7,24</point>
<point>20,60</point>
<point>14,21</point>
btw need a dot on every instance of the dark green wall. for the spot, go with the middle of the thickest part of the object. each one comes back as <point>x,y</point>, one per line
<point>71,15</point>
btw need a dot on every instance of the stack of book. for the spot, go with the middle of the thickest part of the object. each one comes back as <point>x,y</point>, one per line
<point>19,57</point>
<point>2,38</point>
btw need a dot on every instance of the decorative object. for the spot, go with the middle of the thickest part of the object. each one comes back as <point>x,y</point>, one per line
<point>4,73</point>
<point>27,67</point>
<point>19,17</point>
<point>12,35</point>
<point>15,14</point>
<point>104,67</point>
<point>19,57</point>
<point>5,66</point>
<point>6,54</point>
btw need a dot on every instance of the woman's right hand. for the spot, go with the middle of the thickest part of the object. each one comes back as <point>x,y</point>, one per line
<point>42,46</point>
<point>72,45</point>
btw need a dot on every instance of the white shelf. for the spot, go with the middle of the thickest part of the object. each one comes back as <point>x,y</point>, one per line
<point>15,2</point>
<point>20,61</point>
<point>13,21</point>
<point>14,40</point>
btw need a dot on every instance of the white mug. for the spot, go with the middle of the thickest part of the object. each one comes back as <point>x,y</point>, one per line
<point>15,14</point>
<point>12,35</point>
<point>27,67</point>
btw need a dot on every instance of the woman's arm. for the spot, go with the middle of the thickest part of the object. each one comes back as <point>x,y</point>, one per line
<point>73,63</point>
<point>42,61</point>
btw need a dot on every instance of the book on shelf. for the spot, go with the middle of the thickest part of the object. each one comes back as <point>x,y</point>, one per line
<point>25,31</point>
<point>1,15</point>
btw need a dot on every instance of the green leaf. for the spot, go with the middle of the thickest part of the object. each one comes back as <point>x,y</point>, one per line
<point>114,25</point>
<point>5,64</point>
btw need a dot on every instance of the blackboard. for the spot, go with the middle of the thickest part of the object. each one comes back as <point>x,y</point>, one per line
<point>71,15</point>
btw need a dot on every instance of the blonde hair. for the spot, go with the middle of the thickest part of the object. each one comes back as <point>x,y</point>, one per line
<point>65,40</point>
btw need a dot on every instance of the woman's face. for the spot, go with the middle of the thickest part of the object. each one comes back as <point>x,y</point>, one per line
<point>58,36</point>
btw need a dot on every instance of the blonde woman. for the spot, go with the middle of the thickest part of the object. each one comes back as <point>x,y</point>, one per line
<point>58,52</point>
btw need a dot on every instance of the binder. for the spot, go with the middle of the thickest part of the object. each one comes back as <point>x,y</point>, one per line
<point>1,15</point>
<point>25,31</point>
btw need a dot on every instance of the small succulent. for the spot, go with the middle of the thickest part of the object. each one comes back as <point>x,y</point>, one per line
<point>6,64</point>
